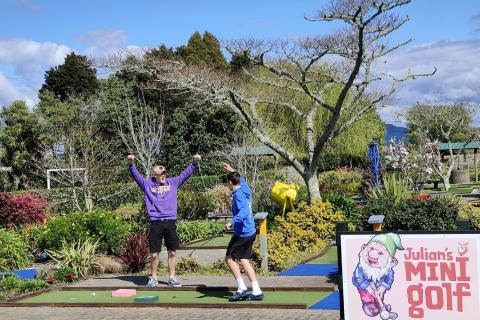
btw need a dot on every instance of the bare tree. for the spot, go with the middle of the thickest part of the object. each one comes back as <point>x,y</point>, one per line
<point>144,132</point>
<point>81,145</point>
<point>324,83</point>
<point>431,124</point>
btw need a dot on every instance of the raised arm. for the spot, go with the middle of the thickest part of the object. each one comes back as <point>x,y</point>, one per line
<point>187,173</point>
<point>139,179</point>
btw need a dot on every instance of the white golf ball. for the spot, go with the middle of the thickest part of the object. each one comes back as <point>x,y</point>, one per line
<point>93,294</point>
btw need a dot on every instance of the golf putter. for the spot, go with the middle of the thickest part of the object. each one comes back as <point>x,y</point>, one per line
<point>384,314</point>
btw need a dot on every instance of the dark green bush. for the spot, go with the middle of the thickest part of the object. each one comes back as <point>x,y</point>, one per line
<point>78,226</point>
<point>415,214</point>
<point>432,214</point>
<point>349,207</point>
<point>202,183</point>
<point>194,205</point>
<point>13,251</point>
<point>342,181</point>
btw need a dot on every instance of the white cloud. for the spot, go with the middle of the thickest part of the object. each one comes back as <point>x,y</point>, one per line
<point>102,42</point>
<point>29,60</point>
<point>9,93</point>
<point>457,79</point>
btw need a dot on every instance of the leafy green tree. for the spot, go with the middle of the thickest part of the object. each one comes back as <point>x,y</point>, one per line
<point>20,136</point>
<point>218,60</point>
<point>203,51</point>
<point>74,77</point>
<point>202,129</point>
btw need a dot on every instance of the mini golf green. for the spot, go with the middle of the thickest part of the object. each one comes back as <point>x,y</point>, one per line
<point>221,241</point>
<point>197,297</point>
<point>330,257</point>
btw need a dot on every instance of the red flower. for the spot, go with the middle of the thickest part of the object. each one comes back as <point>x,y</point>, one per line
<point>50,280</point>
<point>70,276</point>
<point>421,196</point>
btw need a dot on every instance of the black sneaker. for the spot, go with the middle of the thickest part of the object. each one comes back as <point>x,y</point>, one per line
<point>252,297</point>
<point>239,296</point>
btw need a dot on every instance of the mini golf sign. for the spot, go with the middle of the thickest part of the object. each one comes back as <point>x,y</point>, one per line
<point>410,276</point>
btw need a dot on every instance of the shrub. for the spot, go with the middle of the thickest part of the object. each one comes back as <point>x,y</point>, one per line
<point>221,198</point>
<point>194,205</point>
<point>310,226</point>
<point>9,282</point>
<point>65,274</point>
<point>128,210</point>
<point>350,209</point>
<point>32,285</point>
<point>394,187</point>
<point>432,214</point>
<point>203,183</point>
<point>101,225</point>
<point>195,230</point>
<point>79,256</point>
<point>220,265</point>
<point>134,255</point>
<point>187,265</point>
<point>13,251</point>
<point>30,234</point>
<point>469,212</point>
<point>26,208</point>
<point>2,297</point>
<point>342,181</point>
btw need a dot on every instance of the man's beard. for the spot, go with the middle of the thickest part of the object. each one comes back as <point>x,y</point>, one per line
<point>374,273</point>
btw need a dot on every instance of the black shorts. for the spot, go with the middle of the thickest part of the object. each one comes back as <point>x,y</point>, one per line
<point>241,247</point>
<point>160,230</point>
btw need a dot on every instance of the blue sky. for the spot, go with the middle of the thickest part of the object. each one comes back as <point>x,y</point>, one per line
<point>35,35</point>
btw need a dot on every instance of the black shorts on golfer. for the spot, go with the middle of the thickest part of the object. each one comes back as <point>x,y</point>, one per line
<point>240,247</point>
<point>163,229</point>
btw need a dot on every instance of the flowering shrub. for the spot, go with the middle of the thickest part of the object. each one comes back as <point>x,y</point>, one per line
<point>21,209</point>
<point>414,165</point>
<point>64,274</point>
<point>306,228</point>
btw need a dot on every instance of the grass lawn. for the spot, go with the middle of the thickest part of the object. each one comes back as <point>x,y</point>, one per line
<point>455,188</point>
<point>330,257</point>
<point>274,297</point>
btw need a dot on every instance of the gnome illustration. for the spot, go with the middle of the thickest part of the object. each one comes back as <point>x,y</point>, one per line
<point>374,274</point>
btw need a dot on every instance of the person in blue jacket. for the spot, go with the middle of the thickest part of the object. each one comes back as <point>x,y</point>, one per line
<point>240,246</point>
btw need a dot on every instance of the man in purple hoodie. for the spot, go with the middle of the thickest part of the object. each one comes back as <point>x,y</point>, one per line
<point>161,202</point>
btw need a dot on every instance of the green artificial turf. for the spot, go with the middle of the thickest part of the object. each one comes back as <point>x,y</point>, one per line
<point>221,241</point>
<point>274,297</point>
<point>330,257</point>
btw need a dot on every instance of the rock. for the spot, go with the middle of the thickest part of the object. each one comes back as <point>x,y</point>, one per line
<point>108,264</point>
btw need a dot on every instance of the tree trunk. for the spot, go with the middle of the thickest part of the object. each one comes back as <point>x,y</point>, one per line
<point>446,182</point>
<point>313,187</point>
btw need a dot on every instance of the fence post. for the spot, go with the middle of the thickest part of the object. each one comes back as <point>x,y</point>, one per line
<point>262,222</point>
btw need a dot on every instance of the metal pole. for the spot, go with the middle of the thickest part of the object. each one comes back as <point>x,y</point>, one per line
<point>475,151</point>
<point>263,245</point>
<point>48,179</point>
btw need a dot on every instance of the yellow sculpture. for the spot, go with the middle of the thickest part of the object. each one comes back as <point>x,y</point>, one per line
<point>284,195</point>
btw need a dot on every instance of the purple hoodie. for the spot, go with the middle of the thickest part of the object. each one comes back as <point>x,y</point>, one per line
<point>161,199</point>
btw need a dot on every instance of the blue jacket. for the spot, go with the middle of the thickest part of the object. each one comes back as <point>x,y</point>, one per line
<point>242,222</point>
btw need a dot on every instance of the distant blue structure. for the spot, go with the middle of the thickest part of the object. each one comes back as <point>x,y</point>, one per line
<point>374,158</point>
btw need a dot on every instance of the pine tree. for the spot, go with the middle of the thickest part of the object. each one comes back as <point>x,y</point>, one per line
<point>74,77</point>
<point>218,61</point>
